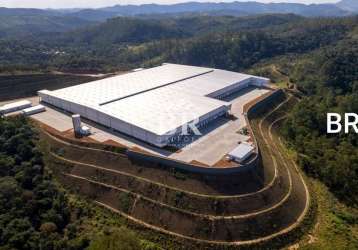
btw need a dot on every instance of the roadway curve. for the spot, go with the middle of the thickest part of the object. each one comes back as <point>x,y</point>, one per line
<point>289,210</point>
<point>238,206</point>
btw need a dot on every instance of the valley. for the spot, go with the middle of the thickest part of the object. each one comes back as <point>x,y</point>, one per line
<point>110,189</point>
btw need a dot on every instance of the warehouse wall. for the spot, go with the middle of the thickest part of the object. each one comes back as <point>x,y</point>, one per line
<point>143,159</point>
<point>91,113</point>
<point>109,121</point>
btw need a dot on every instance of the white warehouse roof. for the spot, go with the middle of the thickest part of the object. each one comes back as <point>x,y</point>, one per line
<point>152,102</point>
<point>210,83</point>
<point>118,87</point>
<point>162,110</point>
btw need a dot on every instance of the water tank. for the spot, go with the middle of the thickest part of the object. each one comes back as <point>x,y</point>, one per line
<point>76,121</point>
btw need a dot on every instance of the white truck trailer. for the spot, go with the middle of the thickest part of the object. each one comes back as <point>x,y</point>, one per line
<point>15,106</point>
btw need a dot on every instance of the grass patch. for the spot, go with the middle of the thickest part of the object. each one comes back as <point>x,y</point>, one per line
<point>99,225</point>
<point>336,224</point>
<point>126,201</point>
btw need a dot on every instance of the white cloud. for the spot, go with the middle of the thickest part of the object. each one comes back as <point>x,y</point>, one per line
<point>102,3</point>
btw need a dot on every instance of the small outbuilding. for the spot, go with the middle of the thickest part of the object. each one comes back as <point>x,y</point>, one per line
<point>241,152</point>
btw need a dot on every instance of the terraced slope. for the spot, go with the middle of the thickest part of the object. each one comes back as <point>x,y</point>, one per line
<point>202,215</point>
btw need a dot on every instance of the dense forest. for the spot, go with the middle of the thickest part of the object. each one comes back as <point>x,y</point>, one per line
<point>329,79</point>
<point>123,43</point>
<point>35,213</point>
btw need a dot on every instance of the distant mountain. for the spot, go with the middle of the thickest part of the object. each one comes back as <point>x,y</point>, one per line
<point>23,22</point>
<point>349,5</point>
<point>128,30</point>
<point>93,14</point>
<point>121,30</point>
<point>28,12</point>
<point>245,8</point>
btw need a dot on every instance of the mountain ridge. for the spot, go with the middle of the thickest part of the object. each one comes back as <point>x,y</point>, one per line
<point>249,7</point>
<point>21,21</point>
<point>342,8</point>
<point>348,5</point>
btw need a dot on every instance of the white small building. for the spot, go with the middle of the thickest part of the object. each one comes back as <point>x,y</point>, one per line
<point>241,152</point>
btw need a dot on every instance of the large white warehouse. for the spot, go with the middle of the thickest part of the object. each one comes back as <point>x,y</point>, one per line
<point>153,105</point>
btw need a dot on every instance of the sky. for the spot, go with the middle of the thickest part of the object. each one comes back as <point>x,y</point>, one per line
<point>104,3</point>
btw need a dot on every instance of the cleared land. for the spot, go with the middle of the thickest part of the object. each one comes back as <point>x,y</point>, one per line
<point>218,138</point>
<point>201,209</point>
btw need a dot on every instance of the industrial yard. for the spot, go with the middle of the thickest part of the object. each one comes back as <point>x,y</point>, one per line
<point>155,105</point>
<point>268,206</point>
<point>231,186</point>
<point>145,104</point>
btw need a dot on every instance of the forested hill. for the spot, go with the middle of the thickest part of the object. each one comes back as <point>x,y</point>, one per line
<point>125,30</point>
<point>121,31</point>
<point>329,79</point>
<point>22,22</point>
<point>19,23</point>
<point>25,20</point>
<point>128,42</point>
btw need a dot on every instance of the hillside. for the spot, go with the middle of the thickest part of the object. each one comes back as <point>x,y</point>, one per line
<point>36,213</point>
<point>327,78</point>
<point>19,23</point>
<point>108,44</point>
<point>123,30</point>
<point>24,22</point>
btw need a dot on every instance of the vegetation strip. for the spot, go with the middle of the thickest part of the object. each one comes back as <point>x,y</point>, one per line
<point>211,217</point>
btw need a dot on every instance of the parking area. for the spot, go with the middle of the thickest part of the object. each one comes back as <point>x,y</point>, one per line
<point>217,140</point>
<point>212,147</point>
